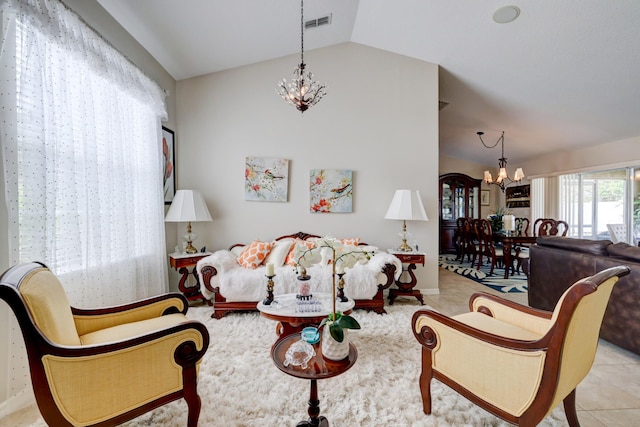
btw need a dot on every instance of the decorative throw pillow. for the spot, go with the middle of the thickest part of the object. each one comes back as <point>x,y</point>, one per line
<point>354,241</point>
<point>291,257</point>
<point>279,252</point>
<point>254,254</point>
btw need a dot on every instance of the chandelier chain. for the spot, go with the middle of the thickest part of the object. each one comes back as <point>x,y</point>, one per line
<point>492,146</point>
<point>302,91</point>
<point>302,31</point>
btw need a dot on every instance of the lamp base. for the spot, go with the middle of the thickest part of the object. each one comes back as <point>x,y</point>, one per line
<point>190,249</point>
<point>404,247</point>
<point>189,238</point>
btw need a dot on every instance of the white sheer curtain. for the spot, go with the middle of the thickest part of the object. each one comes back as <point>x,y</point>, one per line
<point>80,132</point>
<point>569,202</point>
<point>537,200</point>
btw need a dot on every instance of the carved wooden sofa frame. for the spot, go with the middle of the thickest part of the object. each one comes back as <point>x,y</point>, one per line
<point>221,306</point>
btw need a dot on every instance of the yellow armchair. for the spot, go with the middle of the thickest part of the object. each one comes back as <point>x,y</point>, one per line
<point>104,366</point>
<point>514,361</point>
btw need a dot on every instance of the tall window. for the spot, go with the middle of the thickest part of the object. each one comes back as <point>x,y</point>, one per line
<point>80,132</point>
<point>602,204</point>
<point>537,200</point>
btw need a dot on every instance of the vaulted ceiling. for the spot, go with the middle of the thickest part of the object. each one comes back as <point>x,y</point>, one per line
<point>564,74</point>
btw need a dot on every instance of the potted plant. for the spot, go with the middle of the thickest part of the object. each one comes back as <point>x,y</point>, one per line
<point>496,219</point>
<point>335,344</point>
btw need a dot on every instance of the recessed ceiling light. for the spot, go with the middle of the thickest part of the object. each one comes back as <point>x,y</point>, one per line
<point>506,14</point>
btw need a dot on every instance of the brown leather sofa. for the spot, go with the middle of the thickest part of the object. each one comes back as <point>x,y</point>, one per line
<point>555,263</point>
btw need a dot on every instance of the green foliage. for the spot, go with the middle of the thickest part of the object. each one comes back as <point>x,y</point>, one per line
<point>610,190</point>
<point>336,328</point>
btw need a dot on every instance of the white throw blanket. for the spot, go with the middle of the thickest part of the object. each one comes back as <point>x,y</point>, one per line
<point>237,283</point>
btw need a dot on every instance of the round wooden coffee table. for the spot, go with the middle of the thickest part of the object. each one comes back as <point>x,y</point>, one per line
<point>285,310</point>
<point>318,368</point>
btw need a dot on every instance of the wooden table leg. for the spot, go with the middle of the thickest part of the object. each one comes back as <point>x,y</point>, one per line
<point>315,419</point>
<point>506,254</point>
<point>192,293</point>
<point>406,288</point>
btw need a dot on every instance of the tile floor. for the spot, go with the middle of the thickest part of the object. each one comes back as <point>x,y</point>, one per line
<point>608,397</point>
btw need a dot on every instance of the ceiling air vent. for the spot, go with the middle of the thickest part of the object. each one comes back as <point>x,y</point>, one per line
<point>318,22</point>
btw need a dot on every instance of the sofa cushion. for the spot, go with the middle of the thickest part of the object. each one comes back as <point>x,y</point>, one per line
<point>279,252</point>
<point>352,241</point>
<point>593,247</point>
<point>624,251</point>
<point>303,244</point>
<point>254,254</point>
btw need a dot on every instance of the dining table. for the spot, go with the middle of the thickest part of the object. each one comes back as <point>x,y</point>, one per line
<point>508,241</point>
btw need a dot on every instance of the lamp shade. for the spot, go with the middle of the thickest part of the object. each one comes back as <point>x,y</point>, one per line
<point>187,206</point>
<point>406,205</point>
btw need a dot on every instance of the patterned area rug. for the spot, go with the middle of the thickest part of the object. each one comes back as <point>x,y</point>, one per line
<point>515,282</point>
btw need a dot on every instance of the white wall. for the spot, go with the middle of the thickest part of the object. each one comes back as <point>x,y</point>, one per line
<point>380,119</point>
<point>616,153</point>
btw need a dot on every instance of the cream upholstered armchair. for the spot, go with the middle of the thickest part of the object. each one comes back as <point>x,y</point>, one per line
<point>104,366</point>
<point>516,362</point>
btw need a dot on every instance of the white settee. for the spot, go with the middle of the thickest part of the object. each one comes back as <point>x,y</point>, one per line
<point>233,287</point>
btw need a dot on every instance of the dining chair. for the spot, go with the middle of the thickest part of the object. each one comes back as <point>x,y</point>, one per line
<point>521,250</point>
<point>467,239</point>
<point>536,225</point>
<point>486,247</point>
<point>553,227</point>
<point>458,238</point>
<point>522,226</point>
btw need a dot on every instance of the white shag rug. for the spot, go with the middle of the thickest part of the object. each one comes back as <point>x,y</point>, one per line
<point>240,386</point>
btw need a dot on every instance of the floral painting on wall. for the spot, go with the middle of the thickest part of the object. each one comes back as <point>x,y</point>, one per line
<point>266,179</point>
<point>168,160</point>
<point>331,190</point>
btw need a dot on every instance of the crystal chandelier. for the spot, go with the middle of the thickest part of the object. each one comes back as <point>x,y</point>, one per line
<point>503,178</point>
<point>301,92</point>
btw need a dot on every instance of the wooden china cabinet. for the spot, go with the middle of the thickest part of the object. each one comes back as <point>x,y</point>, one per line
<point>459,196</point>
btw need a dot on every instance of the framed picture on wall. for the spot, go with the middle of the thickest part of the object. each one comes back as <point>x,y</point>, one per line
<point>518,197</point>
<point>266,179</point>
<point>168,159</point>
<point>331,190</point>
<point>484,197</point>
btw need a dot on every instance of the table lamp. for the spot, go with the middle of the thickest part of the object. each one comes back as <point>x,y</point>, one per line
<point>188,206</point>
<point>407,206</point>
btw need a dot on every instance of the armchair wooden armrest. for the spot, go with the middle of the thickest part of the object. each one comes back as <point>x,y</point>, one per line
<point>89,320</point>
<point>195,331</point>
<point>516,362</point>
<point>427,323</point>
<point>103,367</point>
<point>157,367</point>
<point>448,342</point>
<point>520,315</point>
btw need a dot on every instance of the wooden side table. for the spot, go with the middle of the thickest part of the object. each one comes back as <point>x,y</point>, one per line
<point>406,288</point>
<point>318,369</point>
<point>182,262</point>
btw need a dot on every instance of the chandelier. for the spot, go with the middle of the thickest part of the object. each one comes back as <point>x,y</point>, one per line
<point>301,92</point>
<point>503,178</point>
